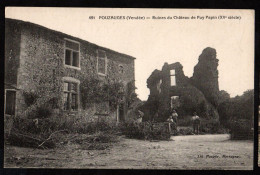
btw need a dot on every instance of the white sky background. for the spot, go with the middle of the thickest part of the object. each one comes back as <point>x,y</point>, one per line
<point>154,42</point>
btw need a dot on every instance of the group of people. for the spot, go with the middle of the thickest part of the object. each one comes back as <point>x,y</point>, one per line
<point>173,121</point>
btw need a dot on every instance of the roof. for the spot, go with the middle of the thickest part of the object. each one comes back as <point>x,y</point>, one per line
<point>66,35</point>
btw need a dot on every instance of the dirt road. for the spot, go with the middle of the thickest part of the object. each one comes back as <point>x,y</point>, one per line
<point>183,152</point>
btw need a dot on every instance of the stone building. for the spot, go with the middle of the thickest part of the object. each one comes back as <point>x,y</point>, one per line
<point>171,89</point>
<point>41,59</point>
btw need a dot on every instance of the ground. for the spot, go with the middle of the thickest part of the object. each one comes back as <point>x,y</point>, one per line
<point>182,152</point>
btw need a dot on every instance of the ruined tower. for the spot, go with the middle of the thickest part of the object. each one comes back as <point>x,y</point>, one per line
<point>171,89</point>
<point>205,75</point>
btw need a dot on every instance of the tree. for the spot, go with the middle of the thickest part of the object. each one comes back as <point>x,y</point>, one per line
<point>223,96</point>
<point>239,107</point>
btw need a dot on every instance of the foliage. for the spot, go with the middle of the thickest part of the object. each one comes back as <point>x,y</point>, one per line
<point>185,121</point>
<point>185,131</point>
<point>212,127</point>
<point>131,96</point>
<point>30,97</point>
<point>223,96</point>
<point>95,91</point>
<point>43,110</point>
<point>192,100</point>
<point>146,131</point>
<point>207,126</point>
<point>239,126</point>
<point>239,107</point>
<point>71,124</point>
<point>48,126</point>
<point>132,101</point>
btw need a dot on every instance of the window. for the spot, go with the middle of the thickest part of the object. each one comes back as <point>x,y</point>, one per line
<point>101,62</point>
<point>70,96</point>
<point>172,77</point>
<point>10,97</point>
<point>72,53</point>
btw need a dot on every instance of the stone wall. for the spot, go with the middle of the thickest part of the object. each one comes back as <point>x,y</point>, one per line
<point>12,52</point>
<point>191,97</point>
<point>42,67</point>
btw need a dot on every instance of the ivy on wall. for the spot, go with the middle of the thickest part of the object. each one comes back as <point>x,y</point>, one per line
<point>93,90</point>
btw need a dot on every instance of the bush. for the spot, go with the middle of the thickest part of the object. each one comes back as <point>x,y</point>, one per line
<point>212,127</point>
<point>92,127</point>
<point>185,121</point>
<point>62,122</point>
<point>44,111</point>
<point>47,126</point>
<point>41,112</point>
<point>241,129</point>
<point>146,130</point>
<point>186,131</point>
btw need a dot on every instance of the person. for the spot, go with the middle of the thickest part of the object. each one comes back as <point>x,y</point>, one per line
<point>140,117</point>
<point>175,117</point>
<point>170,122</point>
<point>196,123</point>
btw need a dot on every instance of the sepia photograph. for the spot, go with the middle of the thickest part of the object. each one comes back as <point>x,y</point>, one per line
<point>129,88</point>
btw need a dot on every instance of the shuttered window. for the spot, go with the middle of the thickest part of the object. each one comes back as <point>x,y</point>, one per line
<point>70,96</point>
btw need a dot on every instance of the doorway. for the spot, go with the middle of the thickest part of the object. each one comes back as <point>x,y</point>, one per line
<point>10,96</point>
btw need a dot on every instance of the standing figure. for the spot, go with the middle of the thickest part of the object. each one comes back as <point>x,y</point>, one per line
<point>175,117</point>
<point>140,117</point>
<point>196,123</point>
<point>170,122</point>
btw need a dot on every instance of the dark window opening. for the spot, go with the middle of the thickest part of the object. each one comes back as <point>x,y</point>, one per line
<point>68,57</point>
<point>75,59</point>
<point>72,53</point>
<point>10,102</point>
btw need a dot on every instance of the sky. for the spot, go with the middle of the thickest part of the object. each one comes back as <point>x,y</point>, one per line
<point>156,41</point>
